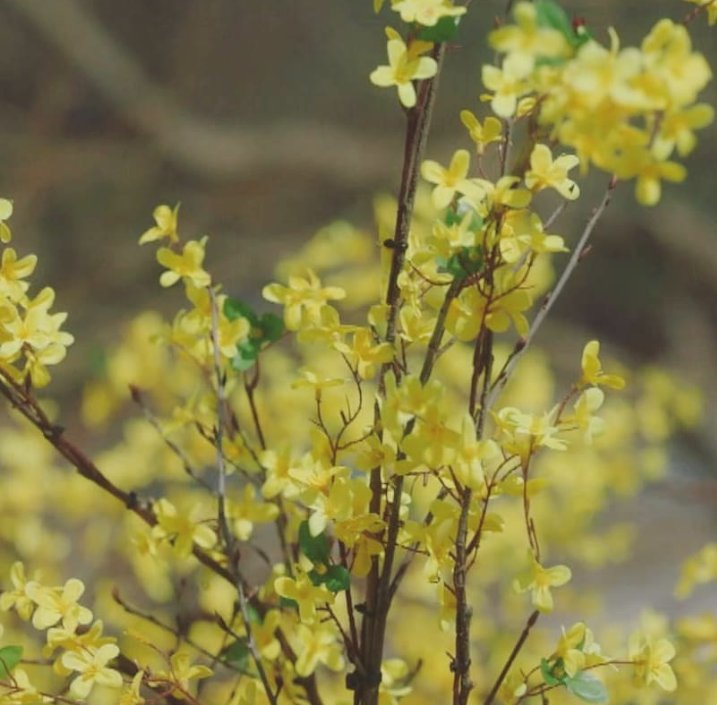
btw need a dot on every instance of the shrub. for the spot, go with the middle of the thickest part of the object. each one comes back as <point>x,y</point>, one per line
<point>374,493</point>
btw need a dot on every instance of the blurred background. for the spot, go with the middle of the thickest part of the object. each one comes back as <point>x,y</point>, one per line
<point>260,119</point>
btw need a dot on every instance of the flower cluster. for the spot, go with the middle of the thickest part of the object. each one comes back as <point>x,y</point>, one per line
<point>31,338</point>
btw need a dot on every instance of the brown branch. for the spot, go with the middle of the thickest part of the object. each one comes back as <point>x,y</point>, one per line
<point>378,588</point>
<point>462,683</point>
<point>513,655</point>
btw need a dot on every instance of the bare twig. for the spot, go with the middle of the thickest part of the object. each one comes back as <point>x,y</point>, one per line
<point>27,405</point>
<point>578,253</point>
<point>513,655</point>
<point>227,536</point>
<point>138,398</point>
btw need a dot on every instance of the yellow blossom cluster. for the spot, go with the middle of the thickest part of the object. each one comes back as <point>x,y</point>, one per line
<point>31,338</point>
<point>626,110</point>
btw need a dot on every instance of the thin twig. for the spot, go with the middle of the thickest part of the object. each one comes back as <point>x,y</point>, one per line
<point>513,655</point>
<point>573,262</point>
<point>27,405</point>
<point>139,399</point>
<point>228,537</point>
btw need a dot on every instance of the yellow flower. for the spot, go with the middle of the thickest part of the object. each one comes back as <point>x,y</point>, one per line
<point>264,635</point>
<point>38,329</point>
<point>70,640</point>
<point>522,231</point>
<point>365,353</point>
<point>427,12</point>
<point>91,664</point>
<point>23,692</point>
<point>187,265</point>
<point>545,172</point>
<point>5,213</point>
<point>405,65</point>
<point>649,170</point>
<point>508,83</point>
<point>490,131</point>
<point>539,580</point>
<point>305,594</point>
<point>588,403</point>
<point>451,180</point>
<point>277,465</point>
<point>18,597</point>
<point>12,271</point>
<point>527,37</point>
<point>505,192</point>
<point>592,369</point>
<point>577,649</point>
<point>676,128</point>
<point>303,299</point>
<point>249,510</point>
<point>317,645</point>
<point>181,671</point>
<point>55,604</point>
<point>651,660</point>
<point>130,694</point>
<point>181,529</point>
<point>166,225</point>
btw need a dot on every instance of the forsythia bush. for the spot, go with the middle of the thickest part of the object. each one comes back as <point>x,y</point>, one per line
<point>373,496</point>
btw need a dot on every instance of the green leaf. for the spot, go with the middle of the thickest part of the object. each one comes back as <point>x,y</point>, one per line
<point>243,360</point>
<point>315,548</point>
<point>272,327</point>
<point>246,354</point>
<point>546,669</point>
<point>233,309</point>
<point>467,261</point>
<point>315,578</point>
<point>238,654</point>
<point>452,217</point>
<point>9,658</point>
<point>551,15</point>
<point>337,578</point>
<point>587,687</point>
<point>444,30</point>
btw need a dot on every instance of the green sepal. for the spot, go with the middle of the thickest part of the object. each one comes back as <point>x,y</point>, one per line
<point>9,658</point>
<point>238,655</point>
<point>337,578</point>
<point>315,548</point>
<point>587,687</point>
<point>546,670</point>
<point>445,30</point>
<point>271,326</point>
<point>467,261</point>
<point>233,309</point>
<point>246,355</point>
